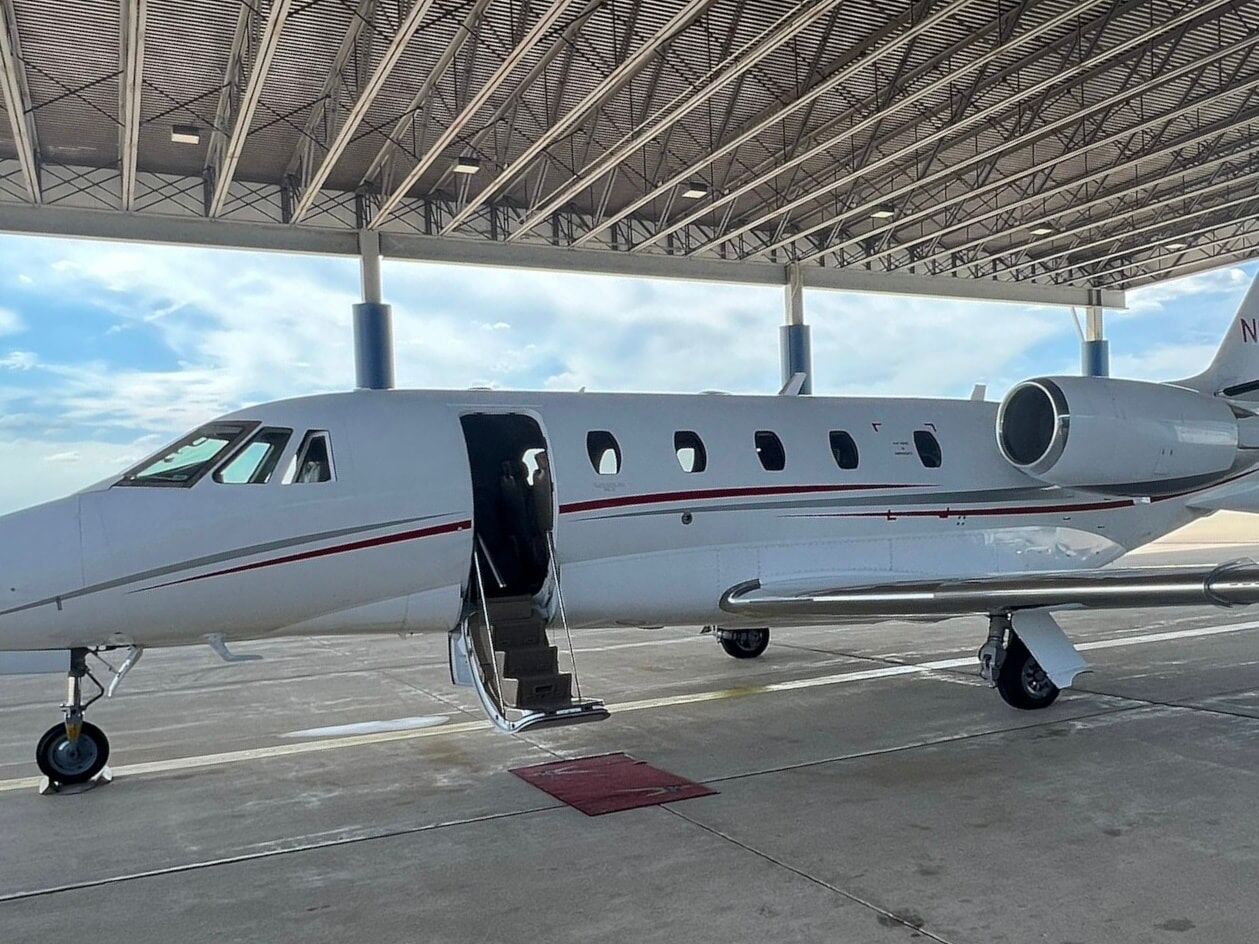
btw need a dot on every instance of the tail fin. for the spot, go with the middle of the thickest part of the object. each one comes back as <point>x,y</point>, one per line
<point>1234,373</point>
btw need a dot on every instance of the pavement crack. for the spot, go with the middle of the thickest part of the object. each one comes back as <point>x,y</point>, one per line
<point>270,854</point>
<point>916,745</point>
<point>886,915</point>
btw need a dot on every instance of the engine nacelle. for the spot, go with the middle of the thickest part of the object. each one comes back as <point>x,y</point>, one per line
<point>1123,437</point>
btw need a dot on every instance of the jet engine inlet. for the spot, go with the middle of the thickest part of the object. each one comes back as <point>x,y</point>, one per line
<point>1117,437</point>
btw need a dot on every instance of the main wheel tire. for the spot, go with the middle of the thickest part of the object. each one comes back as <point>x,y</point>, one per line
<point>63,762</point>
<point>744,643</point>
<point>1022,682</point>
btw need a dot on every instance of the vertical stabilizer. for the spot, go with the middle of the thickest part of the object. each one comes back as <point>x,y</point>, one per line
<point>1234,373</point>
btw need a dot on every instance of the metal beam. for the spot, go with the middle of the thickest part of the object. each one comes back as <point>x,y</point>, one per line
<point>873,120</point>
<point>326,106</point>
<point>380,164</point>
<point>647,50</point>
<point>130,89</point>
<point>230,234</point>
<point>772,117</point>
<point>358,111</point>
<point>982,115</point>
<point>17,101</point>
<point>221,161</point>
<point>475,104</point>
<point>1041,195</point>
<point>770,40</point>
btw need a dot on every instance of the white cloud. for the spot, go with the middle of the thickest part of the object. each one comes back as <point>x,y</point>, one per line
<point>1231,281</point>
<point>28,481</point>
<point>18,360</point>
<point>10,323</point>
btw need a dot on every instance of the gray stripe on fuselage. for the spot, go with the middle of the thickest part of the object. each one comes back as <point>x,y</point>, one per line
<point>219,558</point>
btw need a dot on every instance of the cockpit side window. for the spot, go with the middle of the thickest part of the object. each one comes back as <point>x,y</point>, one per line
<point>182,464</point>
<point>313,461</point>
<point>256,462</point>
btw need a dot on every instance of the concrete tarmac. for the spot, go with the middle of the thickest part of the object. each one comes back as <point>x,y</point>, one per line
<point>859,800</point>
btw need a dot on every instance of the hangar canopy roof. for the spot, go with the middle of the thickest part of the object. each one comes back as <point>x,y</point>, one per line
<point>1025,149</point>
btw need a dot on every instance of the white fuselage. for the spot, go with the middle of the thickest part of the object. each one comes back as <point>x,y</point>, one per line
<point>387,545</point>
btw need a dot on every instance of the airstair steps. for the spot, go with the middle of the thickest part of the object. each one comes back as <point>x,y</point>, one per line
<point>539,692</point>
<point>526,660</point>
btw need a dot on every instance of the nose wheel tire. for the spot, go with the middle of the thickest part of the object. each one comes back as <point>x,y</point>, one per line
<point>66,761</point>
<point>744,643</point>
<point>1021,682</point>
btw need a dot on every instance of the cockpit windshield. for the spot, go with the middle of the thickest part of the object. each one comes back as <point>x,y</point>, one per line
<point>188,459</point>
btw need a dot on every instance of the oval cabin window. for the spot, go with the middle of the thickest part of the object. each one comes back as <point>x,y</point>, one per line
<point>928,448</point>
<point>690,451</point>
<point>769,449</point>
<point>604,452</point>
<point>844,449</point>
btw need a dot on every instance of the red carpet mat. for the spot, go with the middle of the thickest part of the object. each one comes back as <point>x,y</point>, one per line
<point>609,783</point>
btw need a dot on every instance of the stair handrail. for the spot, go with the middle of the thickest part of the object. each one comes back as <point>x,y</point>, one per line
<point>559,596</point>
<point>489,559</point>
<point>489,630</point>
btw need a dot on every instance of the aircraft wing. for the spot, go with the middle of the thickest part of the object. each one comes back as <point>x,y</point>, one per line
<point>1235,583</point>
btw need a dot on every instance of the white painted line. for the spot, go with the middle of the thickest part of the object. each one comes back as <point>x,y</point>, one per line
<point>464,727</point>
<point>370,727</point>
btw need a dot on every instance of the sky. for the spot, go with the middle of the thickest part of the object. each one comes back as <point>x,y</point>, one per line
<point>109,350</point>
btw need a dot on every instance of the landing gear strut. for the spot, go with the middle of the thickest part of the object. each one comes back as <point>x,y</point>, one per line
<point>743,643</point>
<point>1007,665</point>
<point>74,751</point>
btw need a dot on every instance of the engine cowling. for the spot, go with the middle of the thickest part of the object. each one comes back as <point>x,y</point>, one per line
<point>1123,437</point>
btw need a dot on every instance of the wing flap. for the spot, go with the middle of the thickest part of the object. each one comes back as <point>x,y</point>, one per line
<point>1235,583</point>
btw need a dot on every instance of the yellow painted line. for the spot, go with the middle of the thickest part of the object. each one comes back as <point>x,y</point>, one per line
<point>665,701</point>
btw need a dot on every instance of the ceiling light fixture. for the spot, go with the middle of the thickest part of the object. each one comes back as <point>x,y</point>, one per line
<point>468,164</point>
<point>1176,247</point>
<point>1042,230</point>
<point>185,134</point>
<point>883,213</point>
<point>695,190</point>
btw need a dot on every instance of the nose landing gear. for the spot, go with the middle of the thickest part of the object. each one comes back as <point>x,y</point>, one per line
<point>75,751</point>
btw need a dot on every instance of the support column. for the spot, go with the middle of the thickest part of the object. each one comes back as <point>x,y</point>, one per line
<point>373,321</point>
<point>1094,348</point>
<point>794,347</point>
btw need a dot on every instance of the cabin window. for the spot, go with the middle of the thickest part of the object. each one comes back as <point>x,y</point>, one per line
<point>844,449</point>
<point>182,464</point>
<point>313,461</point>
<point>928,448</point>
<point>255,464</point>
<point>769,449</point>
<point>692,456</point>
<point>604,452</point>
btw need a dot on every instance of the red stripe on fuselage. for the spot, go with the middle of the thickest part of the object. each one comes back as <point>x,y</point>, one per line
<point>623,501</point>
<point>967,512</point>
<point>327,551</point>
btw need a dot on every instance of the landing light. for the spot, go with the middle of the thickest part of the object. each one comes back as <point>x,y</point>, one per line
<point>695,190</point>
<point>883,213</point>
<point>468,164</point>
<point>185,134</point>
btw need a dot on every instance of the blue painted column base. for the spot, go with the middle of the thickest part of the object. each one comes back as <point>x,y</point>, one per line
<point>1095,358</point>
<point>796,354</point>
<point>373,346</point>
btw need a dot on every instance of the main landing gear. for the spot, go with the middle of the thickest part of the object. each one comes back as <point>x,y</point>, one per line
<point>75,751</point>
<point>1009,667</point>
<point>743,643</point>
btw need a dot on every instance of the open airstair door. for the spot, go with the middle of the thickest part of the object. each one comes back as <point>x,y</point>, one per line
<point>502,649</point>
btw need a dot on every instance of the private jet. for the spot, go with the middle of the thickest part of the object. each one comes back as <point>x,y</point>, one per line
<point>508,521</point>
